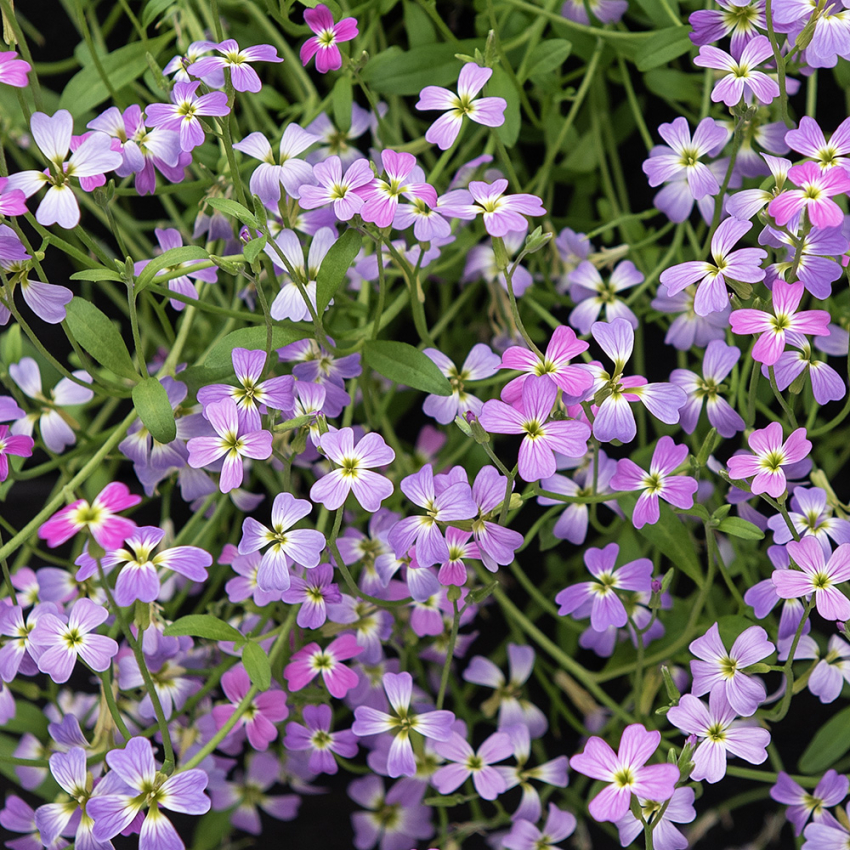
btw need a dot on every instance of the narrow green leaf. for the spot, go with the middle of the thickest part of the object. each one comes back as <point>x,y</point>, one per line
<point>828,745</point>
<point>151,402</point>
<point>96,334</point>
<point>404,364</point>
<point>342,99</point>
<point>738,527</point>
<point>220,358</point>
<point>154,9</point>
<point>420,30</point>
<point>335,266</point>
<point>501,85</point>
<point>172,257</point>
<point>662,47</point>
<point>254,248</point>
<point>204,626</point>
<point>548,56</point>
<point>96,274</point>
<point>235,209</point>
<point>257,665</point>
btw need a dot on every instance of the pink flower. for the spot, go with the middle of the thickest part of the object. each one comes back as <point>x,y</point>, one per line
<point>815,195</point>
<point>466,762</point>
<point>265,710</point>
<point>817,576</point>
<point>383,194</point>
<point>770,455</point>
<point>12,445</point>
<point>99,518</point>
<point>345,193</point>
<point>502,213</point>
<point>627,772</point>
<point>489,111</point>
<point>323,45</point>
<point>312,660</point>
<point>13,71</point>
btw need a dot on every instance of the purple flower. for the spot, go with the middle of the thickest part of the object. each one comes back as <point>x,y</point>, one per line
<point>300,546</point>
<point>742,21</point>
<point>832,671</point>
<point>812,517</point>
<point>382,195</point>
<point>591,294</point>
<point>814,195</point>
<point>723,672</point>
<point>741,77</point>
<point>688,329</point>
<point>323,45</point>
<point>599,598</point>
<point>13,71</point>
<point>266,708</point>
<point>489,111</point>
<point>314,592</point>
<point>480,363</point>
<point>717,363</point>
<point>242,75</point>
<point>808,139</point>
<point>626,771</point>
<point>311,660</point>
<point>316,736</point>
<point>830,791</point>
<point>720,732</point>
<point>345,193</point>
<point>182,114</point>
<point>542,437</point>
<point>665,836</point>
<point>770,455</point>
<point>741,265</point>
<point>181,792</point>
<point>496,544</point>
<point>396,819</point>
<point>436,725</point>
<point>354,471</point>
<point>559,824</point>
<point>660,482</point>
<point>607,11</point>
<point>466,762</point>
<point>503,213</point>
<point>816,576</point>
<point>819,249</point>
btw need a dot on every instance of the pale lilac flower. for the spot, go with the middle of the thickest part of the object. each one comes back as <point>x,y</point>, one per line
<point>831,672</point>
<point>808,139</point>
<point>430,224</point>
<point>181,115</point>
<point>745,204</point>
<point>315,735</point>
<point>626,771</point>
<point>496,544</point>
<point>721,671</point>
<point>93,157</point>
<point>503,213</point>
<point>12,445</point>
<point>659,482</point>
<point>466,762</point>
<point>231,443</point>
<point>489,111</point>
<point>289,303</point>
<point>665,836</point>
<point>302,546</point>
<point>819,263</point>
<point>742,78</point>
<point>242,75</point>
<point>830,37</point>
<point>314,591</point>
<point>607,11</point>
<point>311,660</point>
<point>481,264</point>
<point>722,735</point>
<point>689,329</point>
<point>559,825</point>
<point>772,328</point>
<point>592,294</point>
<point>812,516</point>
<point>827,834</point>
<point>718,362</point>
<point>395,820</point>
<point>264,710</point>
<point>741,21</point>
<point>542,437</point>
<point>742,265</point>
<point>480,363</point>
<point>323,45</point>
<point>289,171</point>
<point>345,193</point>
<point>59,644</point>
<point>771,453</point>
<point>817,187</point>
<point>18,654</point>
<point>13,71</point>
<point>383,194</point>
<point>599,598</point>
<point>816,576</point>
<point>181,65</point>
<point>802,804</point>
<point>436,725</point>
<point>336,142</point>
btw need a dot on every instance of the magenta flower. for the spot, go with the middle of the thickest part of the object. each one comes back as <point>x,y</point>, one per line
<point>13,71</point>
<point>180,792</point>
<point>659,482</point>
<point>436,725</point>
<point>627,772</point>
<point>289,546</point>
<point>59,643</point>
<point>772,328</point>
<point>466,762</point>
<point>741,265</point>
<point>741,78</point>
<point>323,45</point>
<point>383,194</point>
<point>266,709</point>
<point>242,75</point>
<point>12,201</point>
<point>489,111</point>
<point>480,363</point>
<point>98,518</point>
<point>817,188</point>
<point>230,444</point>
<point>818,576</point>
<point>555,365</point>
<point>599,598</point>
<point>722,671</point>
<point>802,804</point>
<point>559,825</point>
<point>503,213</point>
<point>542,437</point>
<point>182,114</point>
<point>770,455</point>
<point>12,445</point>
<point>312,660</point>
<point>345,193</point>
<point>316,736</point>
<point>354,471</point>
<point>720,733</point>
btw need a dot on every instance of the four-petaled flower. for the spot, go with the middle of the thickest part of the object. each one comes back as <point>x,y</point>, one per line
<point>817,188</point>
<point>817,576</point>
<point>383,193</point>
<point>770,454</point>
<point>741,77</point>
<point>242,75</point>
<point>182,114</point>
<point>503,213</point>
<point>312,660</point>
<point>323,45</point>
<point>344,192</point>
<point>466,762</point>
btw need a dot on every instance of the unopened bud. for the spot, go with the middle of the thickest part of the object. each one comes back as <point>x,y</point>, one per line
<point>673,693</point>
<point>744,291</point>
<point>453,593</point>
<point>841,626</point>
<point>536,240</point>
<point>799,382</point>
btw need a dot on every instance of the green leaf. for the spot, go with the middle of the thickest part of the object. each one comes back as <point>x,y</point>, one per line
<point>254,248</point>
<point>28,718</point>
<point>172,257</point>
<point>548,56</point>
<point>210,830</point>
<point>151,402</point>
<point>670,536</point>
<point>335,266</point>
<point>670,84</point>
<point>154,9</point>
<point>235,209</point>
<point>204,626</point>
<point>86,89</point>
<point>404,364</point>
<point>662,47</point>
<point>395,71</point>
<point>220,357</point>
<point>342,99</point>
<point>96,274</point>
<point>420,30</point>
<point>829,744</point>
<point>738,527</point>
<point>96,334</point>
<point>658,13</point>
<point>257,665</point>
<point>11,345</point>
<point>501,85</point>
